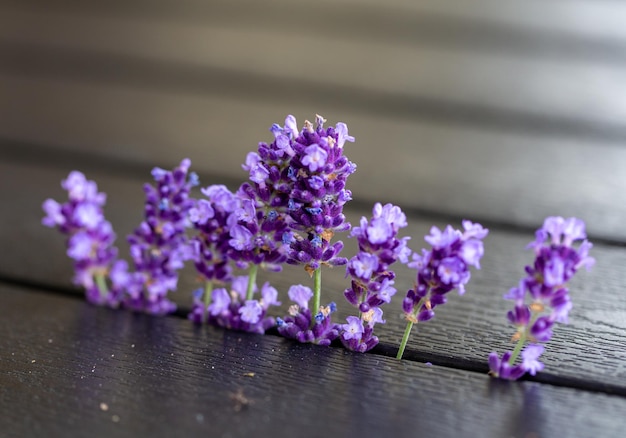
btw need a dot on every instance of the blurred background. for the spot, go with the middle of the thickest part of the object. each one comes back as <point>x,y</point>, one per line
<point>520,103</point>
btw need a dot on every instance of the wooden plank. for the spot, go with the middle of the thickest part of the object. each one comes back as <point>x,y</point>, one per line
<point>476,82</point>
<point>587,353</point>
<point>81,369</point>
<point>579,20</point>
<point>494,176</point>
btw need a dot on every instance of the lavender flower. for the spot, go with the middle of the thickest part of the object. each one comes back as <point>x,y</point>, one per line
<point>318,171</point>
<point>556,261</point>
<point>232,310</point>
<point>90,239</point>
<point>304,326</point>
<point>212,218</point>
<point>159,246</point>
<point>442,269</point>
<point>372,280</point>
<point>311,181</point>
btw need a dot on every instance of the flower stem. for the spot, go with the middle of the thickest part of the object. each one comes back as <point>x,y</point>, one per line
<point>411,319</point>
<point>251,281</point>
<point>405,339</point>
<point>518,348</point>
<point>102,285</point>
<point>317,290</point>
<point>208,290</point>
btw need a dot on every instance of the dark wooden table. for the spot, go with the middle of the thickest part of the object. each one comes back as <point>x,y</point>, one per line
<point>499,113</point>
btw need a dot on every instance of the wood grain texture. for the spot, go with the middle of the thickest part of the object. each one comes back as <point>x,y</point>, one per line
<point>587,353</point>
<point>514,178</point>
<point>501,81</point>
<point>571,20</point>
<point>71,369</point>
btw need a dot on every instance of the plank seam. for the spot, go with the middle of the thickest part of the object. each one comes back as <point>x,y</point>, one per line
<point>382,349</point>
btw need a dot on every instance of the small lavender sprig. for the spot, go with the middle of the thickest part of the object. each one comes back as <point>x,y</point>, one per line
<point>304,326</point>
<point>233,310</point>
<point>442,269</point>
<point>90,239</point>
<point>372,280</point>
<point>556,261</point>
<point>159,246</point>
<point>211,218</point>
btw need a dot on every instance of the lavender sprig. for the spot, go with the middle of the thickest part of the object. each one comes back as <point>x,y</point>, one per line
<point>372,280</point>
<point>212,219</point>
<point>318,171</point>
<point>442,269</point>
<point>90,239</point>
<point>159,247</point>
<point>233,310</point>
<point>556,261</point>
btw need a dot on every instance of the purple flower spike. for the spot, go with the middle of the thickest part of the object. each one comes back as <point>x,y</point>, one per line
<point>445,267</point>
<point>159,246</point>
<point>90,239</point>
<point>441,270</point>
<point>372,278</point>
<point>312,187</point>
<point>542,299</point>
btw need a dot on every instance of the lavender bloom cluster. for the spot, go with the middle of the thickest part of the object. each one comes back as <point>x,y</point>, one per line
<point>159,246</point>
<point>556,262</point>
<point>233,310</point>
<point>229,230</point>
<point>90,238</point>
<point>317,171</point>
<point>444,268</point>
<point>212,219</point>
<point>304,326</point>
<point>372,280</point>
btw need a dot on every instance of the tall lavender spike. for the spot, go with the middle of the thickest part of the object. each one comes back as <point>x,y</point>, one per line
<point>317,174</point>
<point>556,262</point>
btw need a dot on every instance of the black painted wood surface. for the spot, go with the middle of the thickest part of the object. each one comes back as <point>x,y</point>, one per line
<point>72,369</point>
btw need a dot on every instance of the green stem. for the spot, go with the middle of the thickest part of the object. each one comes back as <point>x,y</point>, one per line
<point>251,281</point>
<point>317,291</point>
<point>523,337</point>
<point>409,326</point>
<point>518,348</point>
<point>208,291</point>
<point>405,339</point>
<point>102,285</point>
